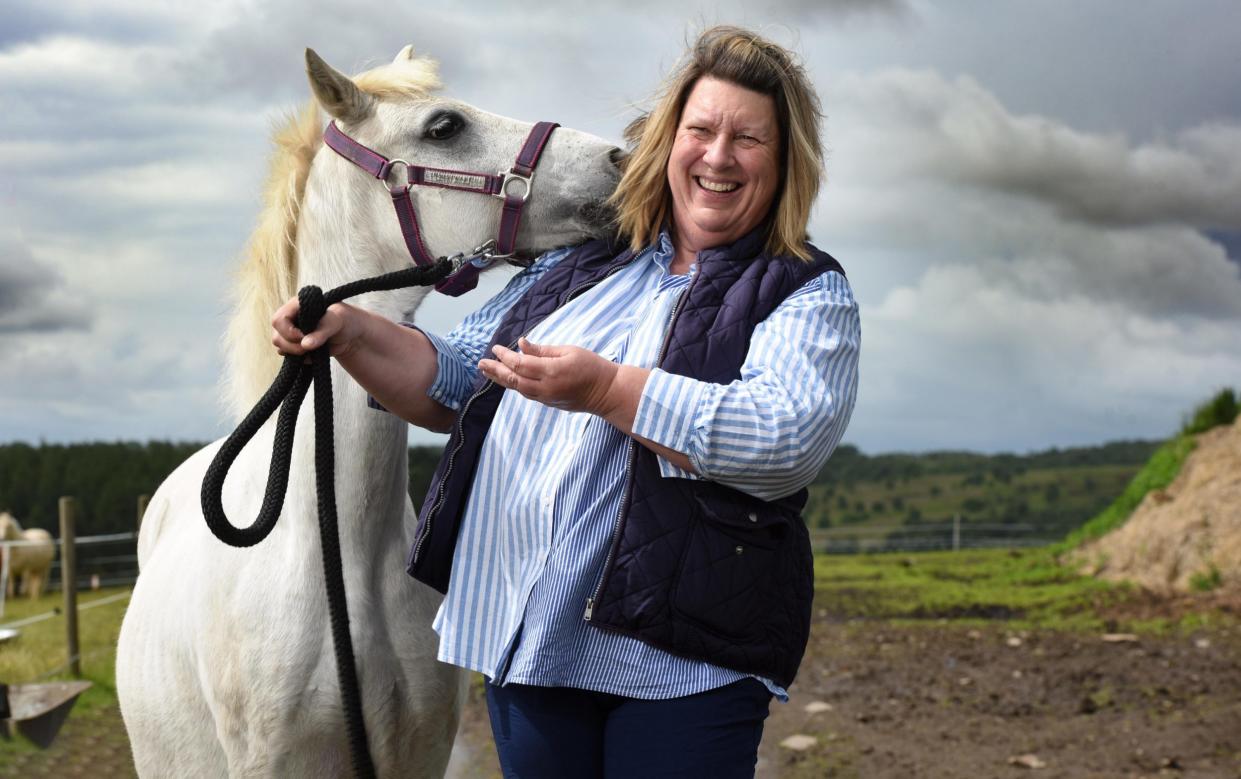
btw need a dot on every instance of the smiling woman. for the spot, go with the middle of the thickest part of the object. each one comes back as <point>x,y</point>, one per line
<point>724,166</point>
<point>634,579</point>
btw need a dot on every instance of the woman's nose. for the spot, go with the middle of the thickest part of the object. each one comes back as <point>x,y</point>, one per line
<point>719,152</point>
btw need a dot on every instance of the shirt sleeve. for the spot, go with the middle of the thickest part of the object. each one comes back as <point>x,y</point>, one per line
<point>769,432</point>
<point>458,353</point>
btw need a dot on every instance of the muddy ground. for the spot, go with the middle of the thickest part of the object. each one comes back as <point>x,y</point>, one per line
<point>934,699</point>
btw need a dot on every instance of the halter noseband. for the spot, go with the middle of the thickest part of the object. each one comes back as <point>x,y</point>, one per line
<point>512,186</point>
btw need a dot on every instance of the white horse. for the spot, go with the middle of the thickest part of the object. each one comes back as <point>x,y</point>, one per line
<point>225,663</point>
<point>30,556</point>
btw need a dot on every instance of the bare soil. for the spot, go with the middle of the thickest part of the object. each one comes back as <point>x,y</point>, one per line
<point>951,700</point>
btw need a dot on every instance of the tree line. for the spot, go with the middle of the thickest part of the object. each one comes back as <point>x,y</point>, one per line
<point>107,478</point>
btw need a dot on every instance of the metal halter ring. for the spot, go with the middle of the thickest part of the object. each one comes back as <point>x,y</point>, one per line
<point>508,176</point>
<point>388,172</point>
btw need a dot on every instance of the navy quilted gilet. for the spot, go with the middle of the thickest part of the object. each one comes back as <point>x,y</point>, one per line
<point>695,568</point>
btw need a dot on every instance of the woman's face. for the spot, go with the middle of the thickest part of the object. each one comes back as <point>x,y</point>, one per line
<point>724,167</point>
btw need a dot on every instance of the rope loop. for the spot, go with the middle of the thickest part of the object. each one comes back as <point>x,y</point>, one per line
<point>287,392</point>
<point>311,308</point>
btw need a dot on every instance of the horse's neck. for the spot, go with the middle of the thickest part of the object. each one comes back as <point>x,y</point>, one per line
<point>370,445</point>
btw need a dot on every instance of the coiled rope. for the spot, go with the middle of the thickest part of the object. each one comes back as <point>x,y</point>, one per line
<point>288,391</point>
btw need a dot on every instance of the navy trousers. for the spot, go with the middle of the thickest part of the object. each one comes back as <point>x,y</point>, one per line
<point>565,733</point>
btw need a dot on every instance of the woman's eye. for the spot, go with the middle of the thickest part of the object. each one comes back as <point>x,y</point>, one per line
<point>698,132</point>
<point>444,126</point>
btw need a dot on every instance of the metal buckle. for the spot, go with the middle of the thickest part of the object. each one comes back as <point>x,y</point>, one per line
<point>508,176</point>
<point>392,164</point>
<point>481,257</point>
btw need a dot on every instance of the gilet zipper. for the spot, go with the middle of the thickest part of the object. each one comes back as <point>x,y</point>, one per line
<point>452,456</point>
<point>632,457</point>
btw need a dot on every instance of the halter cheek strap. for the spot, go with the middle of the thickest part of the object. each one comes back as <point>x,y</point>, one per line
<point>513,187</point>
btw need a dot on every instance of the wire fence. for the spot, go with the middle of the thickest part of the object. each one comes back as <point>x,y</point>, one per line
<point>109,560</point>
<point>927,537</point>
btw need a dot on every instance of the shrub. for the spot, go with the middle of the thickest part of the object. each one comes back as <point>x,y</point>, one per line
<point>1219,410</point>
<point>1205,581</point>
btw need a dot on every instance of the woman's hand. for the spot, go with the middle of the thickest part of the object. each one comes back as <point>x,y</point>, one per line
<point>564,377</point>
<point>577,379</point>
<point>340,328</point>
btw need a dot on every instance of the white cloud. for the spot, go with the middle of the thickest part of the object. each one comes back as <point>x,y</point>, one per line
<point>921,124</point>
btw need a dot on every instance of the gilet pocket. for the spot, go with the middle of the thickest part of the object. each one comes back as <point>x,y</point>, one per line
<point>728,567</point>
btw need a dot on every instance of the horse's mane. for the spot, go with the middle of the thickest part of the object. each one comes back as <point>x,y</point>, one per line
<point>268,270</point>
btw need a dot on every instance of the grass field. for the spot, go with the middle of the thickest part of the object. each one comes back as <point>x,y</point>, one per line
<point>39,651</point>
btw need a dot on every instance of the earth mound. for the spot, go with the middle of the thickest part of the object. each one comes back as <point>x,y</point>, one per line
<point>1187,536</point>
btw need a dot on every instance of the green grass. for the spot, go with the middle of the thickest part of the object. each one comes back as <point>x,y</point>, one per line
<point>1205,581</point>
<point>41,648</point>
<point>1158,473</point>
<point>1023,588</point>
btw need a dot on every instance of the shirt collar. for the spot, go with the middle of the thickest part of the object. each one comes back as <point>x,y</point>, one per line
<point>663,251</point>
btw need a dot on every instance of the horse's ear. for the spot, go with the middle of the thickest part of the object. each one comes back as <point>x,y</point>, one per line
<point>404,54</point>
<point>335,91</point>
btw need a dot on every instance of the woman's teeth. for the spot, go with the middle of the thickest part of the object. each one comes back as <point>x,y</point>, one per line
<point>722,186</point>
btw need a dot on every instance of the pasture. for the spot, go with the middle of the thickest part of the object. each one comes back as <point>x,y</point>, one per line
<point>936,664</point>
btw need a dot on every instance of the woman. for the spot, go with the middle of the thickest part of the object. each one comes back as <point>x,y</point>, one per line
<point>615,522</point>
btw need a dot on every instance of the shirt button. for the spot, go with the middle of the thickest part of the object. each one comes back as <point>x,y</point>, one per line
<point>547,499</point>
<point>753,517</point>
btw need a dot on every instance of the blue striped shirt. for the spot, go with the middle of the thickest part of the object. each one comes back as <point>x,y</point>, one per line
<point>540,515</point>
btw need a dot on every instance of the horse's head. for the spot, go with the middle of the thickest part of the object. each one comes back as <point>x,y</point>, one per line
<point>9,527</point>
<point>327,222</point>
<point>394,110</point>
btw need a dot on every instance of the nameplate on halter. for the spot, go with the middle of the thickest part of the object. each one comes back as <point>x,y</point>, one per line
<point>447,179</point>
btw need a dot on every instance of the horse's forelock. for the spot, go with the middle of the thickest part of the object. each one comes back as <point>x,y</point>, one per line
<point>408,78</point>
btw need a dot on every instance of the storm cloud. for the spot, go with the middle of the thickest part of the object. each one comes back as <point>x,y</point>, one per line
<point>1038,211</point>
<point>32,295</point>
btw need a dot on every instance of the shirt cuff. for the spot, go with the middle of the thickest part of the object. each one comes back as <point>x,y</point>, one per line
<point>668,415</point>
<point>452,380</point>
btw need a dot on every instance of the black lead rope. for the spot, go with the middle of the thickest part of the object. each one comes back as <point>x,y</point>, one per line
<point>290,389</point>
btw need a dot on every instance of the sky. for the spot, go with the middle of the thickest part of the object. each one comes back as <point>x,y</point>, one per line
<point>1038,204</point>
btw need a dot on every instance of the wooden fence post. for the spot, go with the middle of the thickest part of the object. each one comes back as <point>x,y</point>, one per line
<point>69,581</point>
<point>956,532</point>
<point>143,500</point>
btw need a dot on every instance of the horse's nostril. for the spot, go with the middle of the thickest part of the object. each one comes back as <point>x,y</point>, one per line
<point>617,157</point>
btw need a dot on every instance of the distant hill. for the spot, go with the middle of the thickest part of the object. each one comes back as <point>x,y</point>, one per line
<point>1043,494</point>
<point>1057,488</point>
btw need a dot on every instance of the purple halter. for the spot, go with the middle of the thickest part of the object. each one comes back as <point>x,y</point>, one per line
<point>500,185</point>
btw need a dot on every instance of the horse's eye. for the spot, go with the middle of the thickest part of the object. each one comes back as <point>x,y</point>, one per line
<point>443,126</point>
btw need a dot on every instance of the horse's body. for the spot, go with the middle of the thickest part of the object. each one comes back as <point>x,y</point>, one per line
<point>30,559</point>
<point>225,663</point>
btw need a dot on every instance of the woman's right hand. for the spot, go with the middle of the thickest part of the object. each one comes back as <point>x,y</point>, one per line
<point>340,328</point>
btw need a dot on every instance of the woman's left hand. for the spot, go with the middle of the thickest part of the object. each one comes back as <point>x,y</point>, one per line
<point>564,377</point>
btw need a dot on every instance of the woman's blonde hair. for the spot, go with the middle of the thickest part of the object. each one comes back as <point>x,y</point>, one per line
<point>643,201</point>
